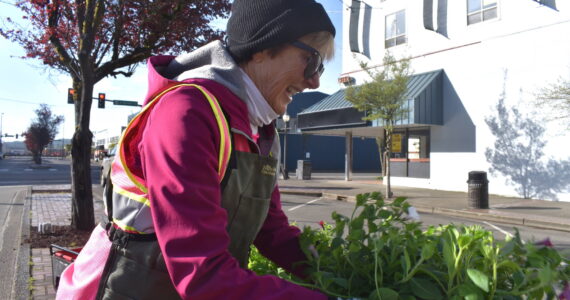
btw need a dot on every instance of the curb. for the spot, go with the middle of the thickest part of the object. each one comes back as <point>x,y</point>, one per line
<point>47,191</point>
<point>514,220</point>
<point>301,193</point>
<point>21,289</point>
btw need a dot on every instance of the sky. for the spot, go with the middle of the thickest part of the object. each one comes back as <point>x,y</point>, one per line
<point>25,84</point>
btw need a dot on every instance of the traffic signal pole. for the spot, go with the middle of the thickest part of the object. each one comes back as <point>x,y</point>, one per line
<point>101,99</point>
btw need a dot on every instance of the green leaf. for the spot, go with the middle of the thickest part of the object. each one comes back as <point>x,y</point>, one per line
<point>427,251</point>
<point>479,278</point>
<point>341,281</point>
<point>545,275</point>
<point>508,264</point>
<point>518,278</point>
<point>469,291</point>
<point>376,196</point>
<point>405,259</point>
<point>426,289</point>
<point>398,201</point>
<point>449,255</point>
<point>384,293</point>
<point>464,240</point>
<point>357,223</point>
<point>361,199</point>
<point>337,242</point>
<point>384,214</point>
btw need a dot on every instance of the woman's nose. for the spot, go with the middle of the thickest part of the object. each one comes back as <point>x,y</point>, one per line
<point>314,81</point>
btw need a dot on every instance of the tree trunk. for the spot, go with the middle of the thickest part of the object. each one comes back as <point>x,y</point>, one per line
<point>382,154</point>
<point>387,159</point>
<point>82,215</point>
<point>37,158</point>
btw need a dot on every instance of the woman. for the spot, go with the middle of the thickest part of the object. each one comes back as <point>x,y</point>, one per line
<point>195,178</point>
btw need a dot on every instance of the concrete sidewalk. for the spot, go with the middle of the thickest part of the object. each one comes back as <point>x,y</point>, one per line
<point>52,204</point>
<point>511,210</point>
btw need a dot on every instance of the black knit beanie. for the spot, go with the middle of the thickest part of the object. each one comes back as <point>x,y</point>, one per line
<point>256,25</point>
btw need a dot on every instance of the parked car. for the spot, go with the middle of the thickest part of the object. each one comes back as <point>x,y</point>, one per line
<point>106,174</point>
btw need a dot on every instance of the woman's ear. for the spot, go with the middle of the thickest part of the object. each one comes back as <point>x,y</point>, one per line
<point>258,57</point>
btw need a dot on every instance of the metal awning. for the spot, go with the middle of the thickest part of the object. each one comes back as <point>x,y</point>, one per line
<point>424,100</point>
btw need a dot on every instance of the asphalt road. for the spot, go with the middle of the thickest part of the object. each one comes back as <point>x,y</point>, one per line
<point>11,213</point>
<point>308,211</point>
<point>22,171</point>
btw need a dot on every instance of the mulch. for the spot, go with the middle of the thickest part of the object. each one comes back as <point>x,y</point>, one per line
<point>65,236</point>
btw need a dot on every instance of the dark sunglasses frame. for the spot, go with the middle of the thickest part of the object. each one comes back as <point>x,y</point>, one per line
<point>315,64</point>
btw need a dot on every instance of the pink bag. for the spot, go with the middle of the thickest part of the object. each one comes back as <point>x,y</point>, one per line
<point>80,280</point>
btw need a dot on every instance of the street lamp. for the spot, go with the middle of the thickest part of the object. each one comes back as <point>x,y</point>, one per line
<point>285,172</point>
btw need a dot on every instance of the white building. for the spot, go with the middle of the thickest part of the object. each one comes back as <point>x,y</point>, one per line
<point>105,138</point>
<point>478,52</point>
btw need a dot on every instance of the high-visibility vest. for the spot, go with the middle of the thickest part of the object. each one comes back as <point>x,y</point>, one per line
<point>131,206</point>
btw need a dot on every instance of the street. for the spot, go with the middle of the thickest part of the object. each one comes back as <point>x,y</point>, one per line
<point>20,170</point>
<point>308,211</point>
<point>11,212</point>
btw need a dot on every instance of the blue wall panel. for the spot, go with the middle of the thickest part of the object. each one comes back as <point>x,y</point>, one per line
<point>327,153</point>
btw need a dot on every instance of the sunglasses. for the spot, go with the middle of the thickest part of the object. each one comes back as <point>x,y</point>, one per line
<point>315,63</point>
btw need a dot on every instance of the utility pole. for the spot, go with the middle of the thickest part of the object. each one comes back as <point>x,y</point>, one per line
<point>63,141</point>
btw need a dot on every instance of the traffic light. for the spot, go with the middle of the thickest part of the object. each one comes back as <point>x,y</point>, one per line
<point>70,93</point>
<point>101,99</point>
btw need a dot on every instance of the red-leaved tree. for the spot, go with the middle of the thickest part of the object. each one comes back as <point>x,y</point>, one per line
<point>92,39</point>
<point>42,131</point>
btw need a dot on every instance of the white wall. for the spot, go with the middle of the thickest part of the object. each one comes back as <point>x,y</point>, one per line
<point>526,47</point>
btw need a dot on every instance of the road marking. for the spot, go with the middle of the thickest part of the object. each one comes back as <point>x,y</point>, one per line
<point>28,170</point>
<point>305,204</point>
<point>499,229</point>
<point>3,170</point>
<point>52,170</point>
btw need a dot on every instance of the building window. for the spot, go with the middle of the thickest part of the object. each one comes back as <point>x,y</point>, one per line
<point>395,29</point>
<point>481,10</point>
<point>418,146</point>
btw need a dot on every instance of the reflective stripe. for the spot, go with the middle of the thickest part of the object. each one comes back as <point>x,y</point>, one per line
<point>225,144</point>
<point>131,215</point>
<point>138,198</point>
<point>126,228</point>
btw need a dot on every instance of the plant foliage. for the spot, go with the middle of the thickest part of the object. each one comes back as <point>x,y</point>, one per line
<point>377,253</point>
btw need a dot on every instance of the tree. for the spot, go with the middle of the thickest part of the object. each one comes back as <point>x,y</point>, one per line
<point>42,131</point>
<point>91,40</point>
<point>556,98</point>
<point>382,98</point>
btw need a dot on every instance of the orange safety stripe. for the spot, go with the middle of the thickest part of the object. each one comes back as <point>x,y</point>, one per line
<point>225,142</point>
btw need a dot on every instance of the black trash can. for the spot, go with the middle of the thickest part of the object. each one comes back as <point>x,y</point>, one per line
<point>303,169</point>
<point>478,195</point>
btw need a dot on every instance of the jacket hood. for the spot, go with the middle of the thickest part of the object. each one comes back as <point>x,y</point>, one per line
<point>211,62</point>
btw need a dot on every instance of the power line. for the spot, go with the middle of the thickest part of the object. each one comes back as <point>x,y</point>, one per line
<point>25,102</point>
<point>8,3</point>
